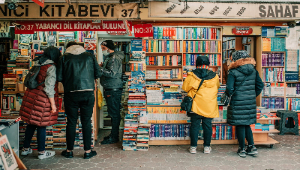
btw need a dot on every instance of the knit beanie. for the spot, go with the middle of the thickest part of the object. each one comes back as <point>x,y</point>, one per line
<point>109,44</point>
<point>240,55</point>
<point>202,60</point>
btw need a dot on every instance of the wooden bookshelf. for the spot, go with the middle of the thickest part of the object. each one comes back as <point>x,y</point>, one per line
<point>272,66</point>
<point>188,142</point>
<point>162,67</point>
<point>270,131</point>
<point>202,40</point>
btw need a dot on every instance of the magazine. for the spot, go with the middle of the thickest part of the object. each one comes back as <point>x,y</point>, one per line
<point>7,155</point>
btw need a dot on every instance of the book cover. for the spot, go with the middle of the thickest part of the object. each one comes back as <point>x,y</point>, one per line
<point>7,155</point>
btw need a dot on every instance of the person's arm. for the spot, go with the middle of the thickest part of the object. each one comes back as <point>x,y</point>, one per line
<point>112,67</point>
<point>230,84</point>
<point>50,85</point>
<point>259,85</point>
<point>60,70</point>
<point>97,70</point>
<point>186,84</point>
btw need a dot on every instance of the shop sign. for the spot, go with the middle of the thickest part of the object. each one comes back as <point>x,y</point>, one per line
<point>70,11</point>
<point>31,27</point>
<point>143,30</point>
<point>242,31</point>
<point>224,10</point>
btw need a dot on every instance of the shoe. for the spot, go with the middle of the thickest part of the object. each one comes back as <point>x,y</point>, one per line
<point>207,149</point>
<point>251,150</point>
<point>193,150</point>
<point>241,152</point>
<point>67,154</point>
<point>107,137</point>
<point>110,140</point>
<point>89,155</point>
<point>26,152</point>
<point>47,154</point>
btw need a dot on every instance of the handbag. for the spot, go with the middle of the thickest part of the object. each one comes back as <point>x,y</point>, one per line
<point>225,99</point>
<point>187,102</point>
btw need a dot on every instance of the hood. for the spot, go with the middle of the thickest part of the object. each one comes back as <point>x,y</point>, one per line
<point>42,62</point>
<point>118,54</point>
<point>203,73</point>
<point>75,50</point>
<point>245,65</point>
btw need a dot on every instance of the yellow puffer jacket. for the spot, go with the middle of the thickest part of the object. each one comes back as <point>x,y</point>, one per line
<point>205,103</point>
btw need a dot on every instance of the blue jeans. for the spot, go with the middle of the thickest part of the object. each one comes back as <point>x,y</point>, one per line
<point>41,136</point>
<point>195,127</point>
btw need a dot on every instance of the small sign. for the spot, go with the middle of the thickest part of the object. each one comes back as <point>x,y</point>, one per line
<point>116,32</point>
<point>143,30</point>
<point>242,30</point>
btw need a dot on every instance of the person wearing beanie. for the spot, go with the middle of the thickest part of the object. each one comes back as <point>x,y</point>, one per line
<point>243,85</point>
<point>78,70</point>
<point>205,106</point>
<point>111,80</point>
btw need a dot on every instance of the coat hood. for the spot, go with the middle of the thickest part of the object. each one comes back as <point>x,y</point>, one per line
<point>75,50</point>
<point>245,65</point>
<point>42,61</point>
<point>203,73</point>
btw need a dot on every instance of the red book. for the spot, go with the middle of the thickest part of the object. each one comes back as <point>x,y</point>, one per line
<point>167,32</point>
<point>184,59</point>
<point>144,45</point>
<point>164,33</point>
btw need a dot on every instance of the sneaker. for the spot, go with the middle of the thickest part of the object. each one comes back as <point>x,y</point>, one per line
<point>241,152</point>
<point>207,149</point>
<point>110,140</point>
<point>47,154</point>
<point>67,154</point>
<point>26,152</point>
<point>251,150</point>
<point>89,155</point>
<point>193,149</point>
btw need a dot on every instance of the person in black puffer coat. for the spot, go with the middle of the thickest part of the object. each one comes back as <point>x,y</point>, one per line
<point>242,108</point>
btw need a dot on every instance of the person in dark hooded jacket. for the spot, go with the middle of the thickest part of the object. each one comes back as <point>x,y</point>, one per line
<point>241,111</point>
<point>205,105</point>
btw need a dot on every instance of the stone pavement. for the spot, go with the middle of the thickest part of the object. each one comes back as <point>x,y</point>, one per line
<point>285,156</point>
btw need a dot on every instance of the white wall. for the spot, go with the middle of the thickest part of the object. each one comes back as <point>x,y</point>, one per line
<point>292,39</point>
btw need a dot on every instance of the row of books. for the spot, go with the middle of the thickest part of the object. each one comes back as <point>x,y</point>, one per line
<point>164,74</point>
<point>202,33</point>
<point>229,45</point>
<point>274,31</point>
<point>137,66</point>
<point>166,115</point>
<point>273,89</point>
<point>11,102</point>
<point>162,46</point>
<point>190,59</point>
<point>273,74</point>
<point>170,132</point>
<point>220,132</point>
<point>274,44</point>
<point>273,59</point>
<point>293,104</point>
<point>273,103</point>
<point>168,60</point>
<point>293,90</point>
<point>222,115</point>
<point>202,46</point>
<point>174,33</point>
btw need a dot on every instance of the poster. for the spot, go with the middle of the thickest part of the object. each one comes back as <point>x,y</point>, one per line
<point>7,155</point>
<point>90,43</point>
<point>292,60</point>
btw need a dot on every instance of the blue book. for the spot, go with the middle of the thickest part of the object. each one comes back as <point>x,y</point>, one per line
<point>229,129</point>
<point>264,31</point>
<point>192,48</point>
<point>156,131</point>
<point>159,46</point>
<point>192,59</point>
<point>168,46</point>
<point>217,132</point>
<point>155,32</point>
<point>147,45</point>
<point>184,36</point>
<point>163,131</point>
<point>187,46</point>
<point>223,132</point>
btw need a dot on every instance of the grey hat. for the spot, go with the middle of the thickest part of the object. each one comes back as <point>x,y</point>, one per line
<point>240,54</point>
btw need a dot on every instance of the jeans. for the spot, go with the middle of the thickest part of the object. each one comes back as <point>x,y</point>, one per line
<point>41,136</point>
<point>113,100</point>
<point>85,102</point>
<point>195,127</point>
<point>242,132</point>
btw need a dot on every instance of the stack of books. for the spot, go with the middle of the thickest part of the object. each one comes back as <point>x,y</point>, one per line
<point>167,115</point>
<point>273,74</point>
<point>59,131</point>
<point>273,89</point>
<point>293,90</point>
<point>9,82</point>
<point>164,74</point>
<point>143,136</point>
<point>154,96</point>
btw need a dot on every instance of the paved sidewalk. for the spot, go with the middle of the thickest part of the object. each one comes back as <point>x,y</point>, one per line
<point>285,156</point>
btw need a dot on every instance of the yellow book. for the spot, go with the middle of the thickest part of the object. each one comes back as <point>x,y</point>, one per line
<point>154,46</point>
<point>189,46</point>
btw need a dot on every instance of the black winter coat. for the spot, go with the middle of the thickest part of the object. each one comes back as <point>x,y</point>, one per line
<point>242,109</point>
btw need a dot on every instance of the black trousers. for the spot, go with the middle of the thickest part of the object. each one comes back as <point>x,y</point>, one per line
<point>242,132</point>
<point>195,127</point>
<point>113,101</point>
<point>41,136</point>
<point>85,102</point>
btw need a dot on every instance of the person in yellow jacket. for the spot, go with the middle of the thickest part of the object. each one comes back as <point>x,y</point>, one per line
<point>205,105</point>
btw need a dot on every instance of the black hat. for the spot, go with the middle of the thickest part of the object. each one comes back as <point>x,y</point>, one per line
<point>202,60</point>
<point>240,54</point>
<point>109,44</point>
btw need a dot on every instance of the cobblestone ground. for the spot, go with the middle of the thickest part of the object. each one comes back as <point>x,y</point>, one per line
<point>285,156</point>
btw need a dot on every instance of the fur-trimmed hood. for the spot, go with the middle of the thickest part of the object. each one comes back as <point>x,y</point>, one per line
<point>245,65</point>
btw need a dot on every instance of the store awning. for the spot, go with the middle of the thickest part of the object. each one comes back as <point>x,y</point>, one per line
<point>234,1</point>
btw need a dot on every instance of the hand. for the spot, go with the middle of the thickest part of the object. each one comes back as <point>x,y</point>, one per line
<point>54,109</point>
<point>101,64</point>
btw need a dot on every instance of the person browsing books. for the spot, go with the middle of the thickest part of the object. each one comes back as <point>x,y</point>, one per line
<point>77,70</point>
<point>111,80</point>
<point>243,85</point>
<point>205,105</point>
<point>39,106</point>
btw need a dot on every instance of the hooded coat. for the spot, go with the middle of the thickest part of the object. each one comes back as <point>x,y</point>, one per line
<point>242,109</point>
<point>111,72</point>
<point>205,103</point>
<point>78,69</point>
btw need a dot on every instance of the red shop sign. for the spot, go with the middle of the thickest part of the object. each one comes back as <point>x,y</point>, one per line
<point>143,30</point>
<point>242,30</point>
<point>31,27</point>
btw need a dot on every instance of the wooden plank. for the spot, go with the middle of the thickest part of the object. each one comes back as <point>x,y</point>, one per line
<point>270,131</point>
<point>258,55</point>
<point>269,141</point>
<point>187,142</point>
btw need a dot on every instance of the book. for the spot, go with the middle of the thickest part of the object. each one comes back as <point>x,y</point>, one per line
<point>8,158</point>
